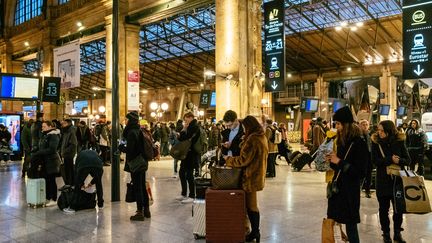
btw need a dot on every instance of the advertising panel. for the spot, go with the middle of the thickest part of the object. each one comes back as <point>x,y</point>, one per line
<point>67,64</point>
<point>133,91</point>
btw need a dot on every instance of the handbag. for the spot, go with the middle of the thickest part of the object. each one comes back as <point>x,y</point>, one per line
<point>392,169</point>
<point>410,194</point>
<point>225,178</point>
<point>332,187</point>
<point>181,149</point>
<point>138,164</point>
<point>332,232</point>
<point>130,194</point>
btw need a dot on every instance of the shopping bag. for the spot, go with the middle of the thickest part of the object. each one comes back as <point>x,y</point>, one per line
<point>332,232</point>
<point>415,194</point>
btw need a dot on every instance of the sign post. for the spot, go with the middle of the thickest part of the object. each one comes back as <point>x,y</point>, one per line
<point>274,45</point>
<point>417,39</point>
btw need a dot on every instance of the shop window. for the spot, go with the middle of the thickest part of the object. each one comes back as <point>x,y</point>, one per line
<point>27,9</point>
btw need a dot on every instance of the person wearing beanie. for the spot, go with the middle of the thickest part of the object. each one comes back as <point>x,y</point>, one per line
<point>347,161</point>
<point>133,148</point>
<point>388,148</point>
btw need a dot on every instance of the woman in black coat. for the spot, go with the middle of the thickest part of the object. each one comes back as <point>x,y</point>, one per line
<point>392,144</point>
<point>349,165</point>
<point>47,152</point>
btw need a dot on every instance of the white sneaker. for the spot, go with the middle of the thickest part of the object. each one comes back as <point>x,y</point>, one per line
<point>50,203</point>
<point>174,175</point>
<point>68,210</point>
<point>187,200</point>
<point>180,198</point>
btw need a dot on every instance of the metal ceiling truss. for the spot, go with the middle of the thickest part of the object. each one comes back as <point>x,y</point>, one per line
<point>31,67</point>
<point>178,49</point>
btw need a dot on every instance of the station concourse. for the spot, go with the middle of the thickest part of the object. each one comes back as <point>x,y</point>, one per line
<point>291,61</point>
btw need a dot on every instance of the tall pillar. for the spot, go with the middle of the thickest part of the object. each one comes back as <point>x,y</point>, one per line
<point>130,55</point>
<point>108,67</point>
<point>321,91</point>
<point>238,52</point>
<point>388,85</point>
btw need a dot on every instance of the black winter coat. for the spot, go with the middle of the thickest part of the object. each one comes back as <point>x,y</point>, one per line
<point>193,132</point>
<point>344,206</point>
<point>69,142</point>
<point>88,159</point>
<point>384,182</point>
<point>47,151</point>
<point>132,134</point>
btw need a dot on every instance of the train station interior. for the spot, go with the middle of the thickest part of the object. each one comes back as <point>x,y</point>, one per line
<point>94,61</point>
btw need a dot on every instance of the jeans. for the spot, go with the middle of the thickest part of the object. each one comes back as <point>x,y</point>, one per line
<point>187,177</point>
<point>68,169</point>
<point>164,149</point>
<point>352,233</point>
<point>96,173</point>
<point>416,156</point>
<point>51,187</point>
<point>271,169</point>
<point>384,206</point>
<point>141,196</point>
<point>368,179</point>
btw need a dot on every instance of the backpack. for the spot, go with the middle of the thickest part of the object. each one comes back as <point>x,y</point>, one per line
<point>147,149</point>
<point>276,136</point>
<point>201,144</point>
<point>320,162</point>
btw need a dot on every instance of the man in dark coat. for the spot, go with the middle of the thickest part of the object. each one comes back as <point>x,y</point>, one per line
<point>191,131</point>
<point>232,135</point>
<point>36,131</point>
<point>68,150</point>
<point>83,136</point>
<point>364,125</point>
<point>164,132</point>
<point>26,140</point>
<point>416,142</point>
<point>87,163</point>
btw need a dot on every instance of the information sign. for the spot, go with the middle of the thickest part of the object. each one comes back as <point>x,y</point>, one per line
<point>274,45</point>
<point>51,89</point>
<point>417,39</point>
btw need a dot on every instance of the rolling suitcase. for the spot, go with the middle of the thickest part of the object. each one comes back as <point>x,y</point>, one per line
<point>199,218</point>
<point>35,192</point>
<point>301,160</point>
<point>293,155</point>
<point>225,215</point>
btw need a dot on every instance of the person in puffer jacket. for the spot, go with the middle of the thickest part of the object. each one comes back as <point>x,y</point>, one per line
<point>416,143</point>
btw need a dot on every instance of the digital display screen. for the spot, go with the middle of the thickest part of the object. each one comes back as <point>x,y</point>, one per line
<point>337,104</point>
<point>311,105</point>
<point>80,105</point>
<point>205,99</point>
<point>429,137</point>
<point>401,111</point>
<point>213,99</point>
<point>17,87</point>
<point>51,89</point>
<point>384,110</point>
<point>13,125</point>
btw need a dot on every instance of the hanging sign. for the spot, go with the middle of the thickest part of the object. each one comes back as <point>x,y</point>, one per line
<point>274,45</point>
<point>133,91</point>
<point>417,39</point>
<point>51,89</point>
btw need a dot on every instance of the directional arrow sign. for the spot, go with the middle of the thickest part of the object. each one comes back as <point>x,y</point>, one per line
<point>274,85</point>
<point>419,70</point>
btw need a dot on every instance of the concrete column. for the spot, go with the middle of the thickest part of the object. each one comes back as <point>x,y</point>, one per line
<point>130,55</point>
<point>238,52</point>
<point>108,67</point>
<point>388,85</point>
<point>321,91</point>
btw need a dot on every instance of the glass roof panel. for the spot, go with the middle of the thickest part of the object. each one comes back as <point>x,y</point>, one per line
<point>93,57</point>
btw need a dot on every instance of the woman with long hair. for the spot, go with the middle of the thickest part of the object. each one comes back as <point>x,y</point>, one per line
<point>388,147</point>
<point>348,162</point>
<point>253,160</point>
<point>283,146</point>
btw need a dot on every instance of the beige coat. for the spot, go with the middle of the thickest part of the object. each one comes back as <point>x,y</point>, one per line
<point>253,160</point>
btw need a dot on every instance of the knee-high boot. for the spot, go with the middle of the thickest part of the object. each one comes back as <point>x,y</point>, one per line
<point>254,218</point>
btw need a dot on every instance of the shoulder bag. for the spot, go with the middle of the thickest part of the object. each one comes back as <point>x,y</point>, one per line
<point>332,187</point>
<point>392,169</point>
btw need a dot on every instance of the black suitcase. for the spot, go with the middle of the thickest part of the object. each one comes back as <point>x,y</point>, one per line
<point>293,155</point>
<point>201,185</point>
<point>300,161</point>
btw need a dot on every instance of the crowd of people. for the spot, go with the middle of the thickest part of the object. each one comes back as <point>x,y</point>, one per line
<point>74,152</point>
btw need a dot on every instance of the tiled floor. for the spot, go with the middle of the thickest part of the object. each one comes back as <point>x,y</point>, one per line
<point>292,207</point>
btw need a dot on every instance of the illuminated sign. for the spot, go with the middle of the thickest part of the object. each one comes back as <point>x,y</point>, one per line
<point>51,89</point>
<point>274,45</point>
<point>417,39</point>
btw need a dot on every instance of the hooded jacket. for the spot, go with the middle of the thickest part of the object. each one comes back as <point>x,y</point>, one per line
<point>396,146</point>
<point>47,151</point>
<point>253,158</point>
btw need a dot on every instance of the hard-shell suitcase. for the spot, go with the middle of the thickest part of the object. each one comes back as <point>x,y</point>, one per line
<point>199,218</point>
<point>293,155</point>
<point>35,192</point>
<point>225,215</point>
<point>301,160</point>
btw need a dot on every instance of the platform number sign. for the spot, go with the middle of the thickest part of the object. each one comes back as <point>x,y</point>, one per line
<point>417,39</point>
<point>51,89</point>
<point>274,45</point>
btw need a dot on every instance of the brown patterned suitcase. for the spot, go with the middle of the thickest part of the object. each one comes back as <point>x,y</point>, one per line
<point>225,215</point>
